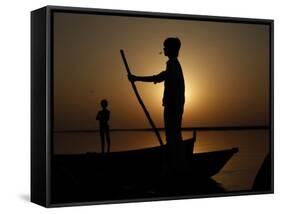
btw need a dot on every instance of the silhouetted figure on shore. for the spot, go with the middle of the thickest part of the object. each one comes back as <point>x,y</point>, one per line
<point>103,118</point>
<point>173,98</point>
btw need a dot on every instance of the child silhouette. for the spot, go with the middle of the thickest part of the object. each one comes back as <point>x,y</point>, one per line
<point>103,118</point>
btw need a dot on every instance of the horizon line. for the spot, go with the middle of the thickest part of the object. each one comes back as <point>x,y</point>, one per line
<point>196,128</point>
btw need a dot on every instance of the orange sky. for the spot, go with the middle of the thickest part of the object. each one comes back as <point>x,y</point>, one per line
<point>225,65</point>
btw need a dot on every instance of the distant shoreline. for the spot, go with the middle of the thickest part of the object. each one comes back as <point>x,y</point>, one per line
<point>219,128</point>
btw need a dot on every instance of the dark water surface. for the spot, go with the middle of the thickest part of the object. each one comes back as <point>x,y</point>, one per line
<point>238,174</point>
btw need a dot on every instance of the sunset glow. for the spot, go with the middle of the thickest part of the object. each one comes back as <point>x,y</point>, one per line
<point>225,66</point>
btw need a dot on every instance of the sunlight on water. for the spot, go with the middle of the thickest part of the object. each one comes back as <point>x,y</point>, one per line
<point>238,173</point>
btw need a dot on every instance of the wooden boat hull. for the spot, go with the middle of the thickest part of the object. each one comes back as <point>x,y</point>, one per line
<point>130,174</point>
<point>146,163</point>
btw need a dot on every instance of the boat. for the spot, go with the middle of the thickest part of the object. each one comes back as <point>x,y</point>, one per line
<point>147,162</point>
<point>135,173</point>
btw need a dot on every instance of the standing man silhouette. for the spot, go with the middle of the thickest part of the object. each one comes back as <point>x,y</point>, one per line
<point>173,98</point>
<point>103,118</point>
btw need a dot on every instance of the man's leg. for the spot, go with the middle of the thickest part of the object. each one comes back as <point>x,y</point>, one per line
<point>181,159</point>
<point>169,126</point>
<point>172,120</point>
<point>177,124</point>
<point>170,140</point>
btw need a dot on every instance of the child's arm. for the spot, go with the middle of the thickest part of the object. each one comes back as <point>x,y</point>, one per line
<point>98,116</point>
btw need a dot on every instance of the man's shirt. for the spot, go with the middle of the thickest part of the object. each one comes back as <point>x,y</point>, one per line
<point>173,85</point>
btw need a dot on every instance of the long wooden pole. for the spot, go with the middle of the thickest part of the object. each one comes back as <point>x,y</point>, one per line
<point>140,100</point>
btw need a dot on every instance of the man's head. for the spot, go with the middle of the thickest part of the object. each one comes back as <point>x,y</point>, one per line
<point>103,103</point>
<point>172,46</point>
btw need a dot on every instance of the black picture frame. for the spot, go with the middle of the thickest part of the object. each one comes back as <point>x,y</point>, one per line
<point>42,92</point>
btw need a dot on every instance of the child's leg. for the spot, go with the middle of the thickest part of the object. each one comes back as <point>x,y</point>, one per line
<point>102,139</point>
<point>107,139</point>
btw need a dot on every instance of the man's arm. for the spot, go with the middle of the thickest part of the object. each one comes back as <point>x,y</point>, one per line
<point>155,78</point>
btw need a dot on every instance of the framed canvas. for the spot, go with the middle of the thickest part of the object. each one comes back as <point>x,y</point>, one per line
<point>133,106</point>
